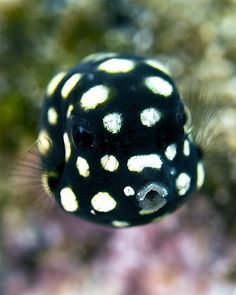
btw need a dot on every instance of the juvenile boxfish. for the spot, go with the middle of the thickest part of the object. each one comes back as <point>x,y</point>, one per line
<point>115,141</point>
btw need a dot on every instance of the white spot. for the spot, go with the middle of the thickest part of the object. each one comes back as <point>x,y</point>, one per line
<point>159,86</point>
<point>54,83</point>
<point>109,163</point>
<point>129,191</point>
<point>157,65</point>
<point>103,202</point>
<point>186,148</point>
<point>70,84</point>
<point>118,223</point>
<point>200,175</point>
<point>67,146</point>
<point>83,167</point>
<point>112,122</point>
<point>93,97</point>
<point>68,200</point>
<point>116,65</point>
<point>183,183</point>
<point>138,163</point>
<point>92,212</point>
<point>44,142</point>
<point>188,125</point>
<point>70,109</point>
<point>171,151</point>
<point>52,116</point>
<point>149,117</point>
<point>147,211</point>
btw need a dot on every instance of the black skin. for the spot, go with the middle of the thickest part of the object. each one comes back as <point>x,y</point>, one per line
<point>89,139</point>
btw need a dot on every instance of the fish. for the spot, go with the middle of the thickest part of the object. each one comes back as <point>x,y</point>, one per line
<point>115,141</point>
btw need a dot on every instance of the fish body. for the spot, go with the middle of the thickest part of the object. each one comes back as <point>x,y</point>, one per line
<point>115,141</point>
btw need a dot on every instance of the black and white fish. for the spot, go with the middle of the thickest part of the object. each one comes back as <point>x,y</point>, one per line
<point>115,141</point>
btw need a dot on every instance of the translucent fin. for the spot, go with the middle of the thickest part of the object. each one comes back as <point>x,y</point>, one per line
<point>205,109</point>
<point>25,182</point>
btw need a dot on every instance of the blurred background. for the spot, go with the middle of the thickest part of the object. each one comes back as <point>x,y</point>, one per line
<point>46,252</point>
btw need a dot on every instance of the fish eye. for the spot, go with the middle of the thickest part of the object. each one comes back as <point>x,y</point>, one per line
<point>83,138</point>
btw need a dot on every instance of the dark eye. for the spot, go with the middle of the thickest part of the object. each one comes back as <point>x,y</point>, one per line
<point>83,138</point>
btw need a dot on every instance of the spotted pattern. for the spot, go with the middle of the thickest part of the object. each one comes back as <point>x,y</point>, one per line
<point>44,142</point>
<point>159,86</point>
<point>200,175</point>
<point>54,83</point>
<point>117,65</point>
<point>108,148</point>
<point>67,146</point>
<point>186,148</point>
<point>112,122</point>
<point>69,85</point>
<point>94,97</point>
<point>103,202</point>
<point>118,223</point>
<point>149,117</point>
<point>129,191</point>
<point>157,65</point>
<point>171,152</point>
<point>52,116</point>
<point>69,111</point>
<point>138,163</point>
<point>83,167</point>
<point>183,182</point>
<point>109,163</point>
<point>68,200</point>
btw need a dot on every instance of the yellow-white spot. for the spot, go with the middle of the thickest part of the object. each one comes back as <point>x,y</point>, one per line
<point>117,65</point>
<point>188,124</point>
<point>54,83</point>
<point>83,167</point>
<point>44,142</point>
<point>112,122</point>
<point>103,202</point>
<point>159,86</point>
<point>200,175</point>
<point>186,148</point>
<point>129,191</point>
<point>138,163</point>
<point>109,163</point>
<point>68,200</point>
<point>70,84</point>
<point>149,117</point>
<point>52,116</point>
<point>157,65</point>
<point>93,97</point>
<point>70,109</point>
<point>147,211</point>
<point>67,146</point>
<point>183,183</point>
<point>118,223</point>
<point>171,151</point>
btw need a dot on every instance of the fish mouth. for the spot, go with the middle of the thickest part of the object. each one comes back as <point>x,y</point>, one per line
<point>152,197</point>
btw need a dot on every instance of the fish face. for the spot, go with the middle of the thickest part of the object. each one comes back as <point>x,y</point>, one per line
<point>120,152</point>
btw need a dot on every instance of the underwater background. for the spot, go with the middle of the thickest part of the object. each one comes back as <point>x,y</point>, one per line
<point>45,251</point>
